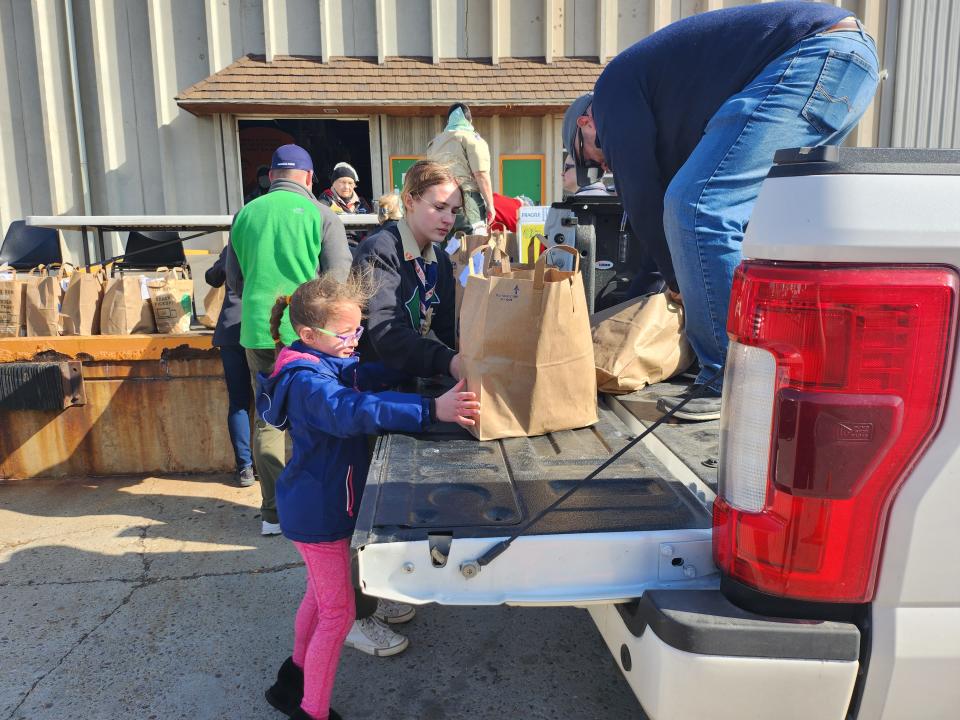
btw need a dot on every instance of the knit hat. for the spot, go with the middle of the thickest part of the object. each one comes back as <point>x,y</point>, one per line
<point>343,169</point>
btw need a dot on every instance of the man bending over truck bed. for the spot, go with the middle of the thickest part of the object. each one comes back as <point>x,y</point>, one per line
<point>688,120</point>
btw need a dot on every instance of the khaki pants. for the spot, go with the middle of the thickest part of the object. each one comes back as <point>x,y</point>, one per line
<point>269,444</point>
<point>474,211</point>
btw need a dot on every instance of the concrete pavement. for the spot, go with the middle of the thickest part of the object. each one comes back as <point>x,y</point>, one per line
<point>157,598</point>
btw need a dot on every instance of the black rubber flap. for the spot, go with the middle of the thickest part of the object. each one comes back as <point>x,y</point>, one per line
<point>706,623</point>
<point>447,481</point>
<point>831,160</point>
<point>32,386</point>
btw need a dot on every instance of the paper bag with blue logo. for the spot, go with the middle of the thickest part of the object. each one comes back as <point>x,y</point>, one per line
<point>526,349</point>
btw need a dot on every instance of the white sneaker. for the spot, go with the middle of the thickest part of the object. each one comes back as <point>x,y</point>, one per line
<point>394,613</point>
<point>269,528</point>
<point>371,636</point>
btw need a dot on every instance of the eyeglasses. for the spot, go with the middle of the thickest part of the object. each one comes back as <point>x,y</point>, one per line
<point>354,336</point>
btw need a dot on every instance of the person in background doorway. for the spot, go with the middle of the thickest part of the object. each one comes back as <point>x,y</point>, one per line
<point>236,372</point>
<point>342,195</point>
<point>389,208</point>
<point>263,184</point>
<point>278,242</point>
<point>461,147</point>
<point>688,120</point>
<point>568,178</point>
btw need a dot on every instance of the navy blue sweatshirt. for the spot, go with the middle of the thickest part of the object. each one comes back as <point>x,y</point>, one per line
<point>391,337</point>
<point>653,101</point>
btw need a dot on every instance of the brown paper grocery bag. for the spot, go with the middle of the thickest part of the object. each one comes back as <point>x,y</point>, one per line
<point>11,302</point>
<point>638,343</point>
<point>172,299</point>
<point>505,240</point>
<point>126,306</point>
<point>80,308</point>
<point>41,301</point>
<point>212,305</point>
<point>526,350</point>
<point>460,248</point>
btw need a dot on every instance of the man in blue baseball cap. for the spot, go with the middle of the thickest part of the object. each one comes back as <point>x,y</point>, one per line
<point>278,241</point>
<point>688,120</point>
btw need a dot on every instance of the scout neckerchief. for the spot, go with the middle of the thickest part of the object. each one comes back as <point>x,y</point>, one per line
<point>426,292</point>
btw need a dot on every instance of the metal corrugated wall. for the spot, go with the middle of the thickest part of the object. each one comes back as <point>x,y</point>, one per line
<point>925,108</point>
<point>142,153</point>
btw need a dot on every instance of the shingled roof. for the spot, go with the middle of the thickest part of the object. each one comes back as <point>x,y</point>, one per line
<point>401,86</point>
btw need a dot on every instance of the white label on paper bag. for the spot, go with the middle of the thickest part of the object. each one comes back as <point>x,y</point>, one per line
<point>63,283</point>
<point>144,290</point>
<point>7,276</point>
<point>453,245</point>
<point>464,275</point>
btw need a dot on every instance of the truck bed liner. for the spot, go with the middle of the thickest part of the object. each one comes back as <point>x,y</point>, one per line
<point>697,444</point>
<point>444,481</point>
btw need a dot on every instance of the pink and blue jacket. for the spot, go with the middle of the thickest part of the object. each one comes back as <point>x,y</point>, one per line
<point>322,401</point>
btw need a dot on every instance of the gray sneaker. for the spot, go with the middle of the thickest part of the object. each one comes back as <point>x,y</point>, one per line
<point>245,477</point>
<point>373,637</point>
<point>705,407</point>
<point>394,613</point>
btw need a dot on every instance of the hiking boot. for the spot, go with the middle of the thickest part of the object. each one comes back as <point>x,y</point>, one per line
<point>245,476</point>
<point>373,637</point>
<point>269,528</point>
<point>394,613</point>
<point>704,407</point>
<point>287,692</point>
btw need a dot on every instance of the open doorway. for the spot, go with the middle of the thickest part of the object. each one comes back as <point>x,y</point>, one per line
<point>328,141</point>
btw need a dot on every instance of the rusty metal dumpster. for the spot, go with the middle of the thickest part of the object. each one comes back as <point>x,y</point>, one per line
<point>112,405</point>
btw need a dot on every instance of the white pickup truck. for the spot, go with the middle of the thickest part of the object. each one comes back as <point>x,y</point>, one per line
<point>794,559</point>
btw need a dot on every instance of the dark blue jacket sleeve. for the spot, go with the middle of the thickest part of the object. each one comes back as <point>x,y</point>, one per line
<point>628,136</point>
<point>327,406</point>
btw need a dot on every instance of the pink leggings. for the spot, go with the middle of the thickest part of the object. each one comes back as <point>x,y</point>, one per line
<point>323,621</point>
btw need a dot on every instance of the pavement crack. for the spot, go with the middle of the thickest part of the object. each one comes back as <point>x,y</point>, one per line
<point>69,652</point>
<point>141,581</point>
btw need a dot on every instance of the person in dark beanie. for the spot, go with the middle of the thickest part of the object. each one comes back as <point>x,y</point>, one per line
<point>277,242</point>
<point>342,195</point>
<point>688,120</point>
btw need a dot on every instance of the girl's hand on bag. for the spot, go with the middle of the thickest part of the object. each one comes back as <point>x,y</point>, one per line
<point>457,405</point>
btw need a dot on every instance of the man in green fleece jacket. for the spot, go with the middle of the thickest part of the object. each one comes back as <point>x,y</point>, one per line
<point>278,242</point>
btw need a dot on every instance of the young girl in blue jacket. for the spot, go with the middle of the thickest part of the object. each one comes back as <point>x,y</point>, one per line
<point>317,393</point>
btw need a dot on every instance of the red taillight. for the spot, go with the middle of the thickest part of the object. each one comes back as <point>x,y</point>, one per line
<point>861,359</point>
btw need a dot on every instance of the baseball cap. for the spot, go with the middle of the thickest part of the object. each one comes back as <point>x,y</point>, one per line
<point>577,108</point>
<point>291,157</point>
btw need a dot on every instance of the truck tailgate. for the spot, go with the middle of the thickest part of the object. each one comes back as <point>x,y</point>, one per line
<point>436,501</point>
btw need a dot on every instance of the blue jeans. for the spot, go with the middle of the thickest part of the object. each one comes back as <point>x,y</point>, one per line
<point>237,374</point>
<point>813,94</point>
